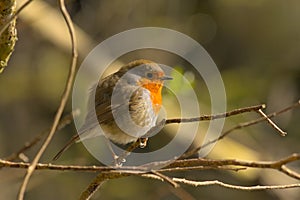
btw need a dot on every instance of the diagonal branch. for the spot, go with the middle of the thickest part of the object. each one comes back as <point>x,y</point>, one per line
<point>226,185</point>
<point>164,122</point>
<point>64,122</point>
<point>281,132</point>
<point>240,126</point>
<point>235,187</point>
<point>277,165</point>
<point>6,24</point>
<point>165,178</point>
<point>62,104</point>
<point>98,182</point>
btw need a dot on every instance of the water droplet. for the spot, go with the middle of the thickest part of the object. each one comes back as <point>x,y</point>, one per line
<point>143,143</point>
<point>142,146</point>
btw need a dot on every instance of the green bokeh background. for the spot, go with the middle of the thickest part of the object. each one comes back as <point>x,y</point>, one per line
<point>255,44</point>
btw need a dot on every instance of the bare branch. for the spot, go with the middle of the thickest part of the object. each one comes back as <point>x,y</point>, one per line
<point>289,172</point>
<point>181,193</point>
<point>173,169</point>
<point>256,108</point>
<point>178,191</point>
<point>164,122</point>
<point>165,178</point>
<point>235,187</point>
<point>226,185</point>
<point>281,132</point>
<point>239,126</point>
<point>64,122</point>
<point>98,182</point>
<point>108,173</point>
<point>178,165</point>
<point>62,104</point>
<point>278,165</point>
<point>40,166</point>
<point>217,116</point>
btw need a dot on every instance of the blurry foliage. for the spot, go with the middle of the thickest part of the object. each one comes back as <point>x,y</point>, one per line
<point>255,45</point>
<point>178,84</point>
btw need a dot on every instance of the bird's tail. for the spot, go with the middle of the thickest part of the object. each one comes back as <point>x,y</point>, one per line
<point>69,143</point>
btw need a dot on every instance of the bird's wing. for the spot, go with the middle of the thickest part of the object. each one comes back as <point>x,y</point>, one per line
<point>101,102</point>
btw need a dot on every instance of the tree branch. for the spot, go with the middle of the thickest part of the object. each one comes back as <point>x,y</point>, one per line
<point>107,173</point>
<point>165,178</point>
<point>216,116</point>
<point>281,132</point>
<point>240,126</point>
<point>62,104</point>
<point>98,182</point>
<point>178,165</point>
<point>164,122</point>
<point>186,164</point>
<point>63,123</point>
<point>235,187</point>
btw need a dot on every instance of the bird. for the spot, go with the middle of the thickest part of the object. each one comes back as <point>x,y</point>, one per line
<point>126,103</point>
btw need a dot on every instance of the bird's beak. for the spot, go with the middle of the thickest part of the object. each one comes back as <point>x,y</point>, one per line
<point>166,78</point>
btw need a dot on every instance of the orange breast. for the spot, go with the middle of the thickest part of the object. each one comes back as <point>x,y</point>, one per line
<point>155,91</point>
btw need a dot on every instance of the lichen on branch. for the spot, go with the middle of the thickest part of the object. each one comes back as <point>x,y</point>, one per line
<point>8,37</point>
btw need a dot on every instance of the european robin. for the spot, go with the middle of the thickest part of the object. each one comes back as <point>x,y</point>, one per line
<point>126,103</point>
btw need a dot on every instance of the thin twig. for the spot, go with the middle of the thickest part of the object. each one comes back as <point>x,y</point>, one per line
<point>63,101</point>
<point>281,132</point>
<point>178,191</point>
<point>108,173</point>
<point>93,186</point>
<point>289,172</point>
<point>277,165</point>
<point>64,122</point>
<point>174,169</point>
<point>178,165</point>
<point>235,187</point>
<point>49,166</point>
<point>181,193</point>
<point>239,126</point>
<point>98,182</point>
<point>93,168</point>
<point>165,178</point>
<point>164,122</point>
<point>226,185</point>
<point>216,116</point>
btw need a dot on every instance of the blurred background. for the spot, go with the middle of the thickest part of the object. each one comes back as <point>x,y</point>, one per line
<point>255,45</point>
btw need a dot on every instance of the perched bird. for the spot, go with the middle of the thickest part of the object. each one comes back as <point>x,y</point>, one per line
<point>126,103</point>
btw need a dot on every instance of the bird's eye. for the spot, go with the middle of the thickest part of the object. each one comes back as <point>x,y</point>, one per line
<point>149,75</point>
